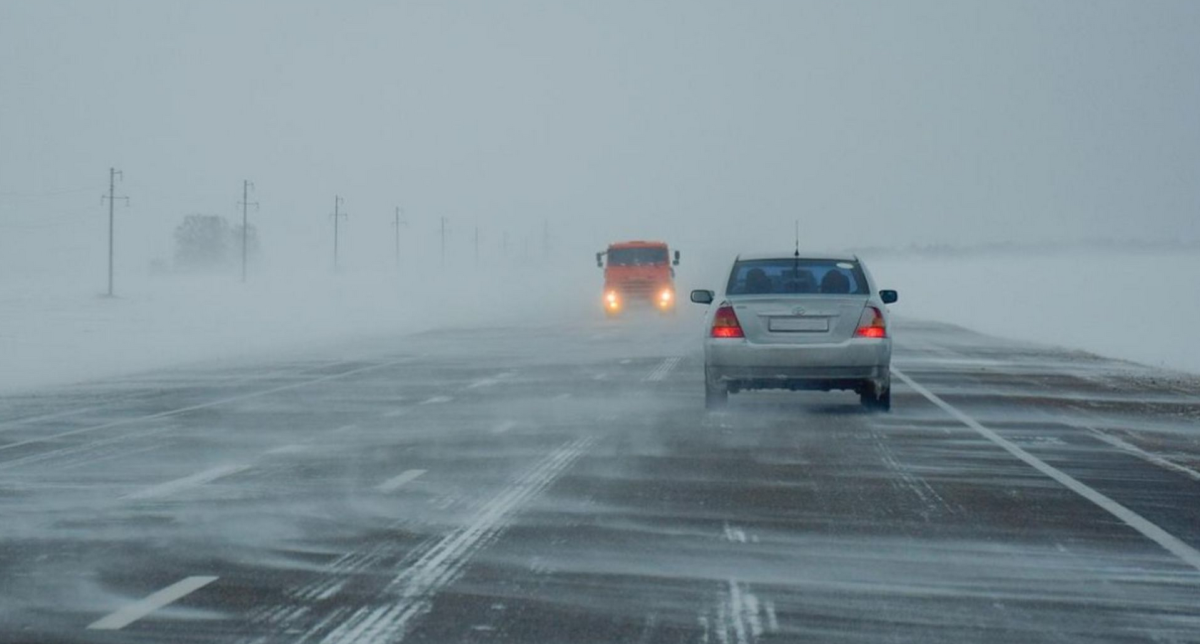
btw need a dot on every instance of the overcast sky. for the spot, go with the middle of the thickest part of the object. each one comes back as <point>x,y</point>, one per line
<point>871,122</point>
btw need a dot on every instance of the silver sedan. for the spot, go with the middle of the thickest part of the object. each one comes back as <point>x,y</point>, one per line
<point>798,321</point>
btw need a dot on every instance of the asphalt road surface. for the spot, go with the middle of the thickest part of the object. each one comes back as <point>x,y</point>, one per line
<point>543,485</point>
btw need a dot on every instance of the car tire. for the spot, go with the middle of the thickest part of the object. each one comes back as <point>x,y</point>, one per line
<point>874,400</point>
<point>883,402</point>
<point>715,396</point>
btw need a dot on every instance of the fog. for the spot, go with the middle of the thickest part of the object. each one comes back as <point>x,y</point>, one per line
<point>551,129</point>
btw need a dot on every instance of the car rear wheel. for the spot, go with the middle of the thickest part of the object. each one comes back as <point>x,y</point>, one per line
<point>715,396</point>
<point>875,400</point>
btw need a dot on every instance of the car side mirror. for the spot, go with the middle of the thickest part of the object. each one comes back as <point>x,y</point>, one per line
<point>700,296</point>
<point>600,260</point>
<point>889,297</point>
<point>676,258</point>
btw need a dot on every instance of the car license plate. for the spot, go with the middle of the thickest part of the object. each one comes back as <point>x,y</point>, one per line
<point>794,324</point>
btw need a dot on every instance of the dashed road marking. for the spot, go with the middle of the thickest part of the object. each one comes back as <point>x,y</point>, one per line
<point>413,589</point>
<point>503,427</point>
<point>1132,519</point>
<point>662,369</point>
<point>562,396</point>
<point>437,400</point>
<point>395,412</point>
<point>488,382</point>
<point>199,478</point>
<point>139,609</point>
<point>394,483</point>
<point>295,448</point>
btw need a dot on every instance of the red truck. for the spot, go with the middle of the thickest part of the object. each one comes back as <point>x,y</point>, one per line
<point>638,273</point>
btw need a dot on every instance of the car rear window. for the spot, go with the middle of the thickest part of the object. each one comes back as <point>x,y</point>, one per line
<point>797,276</point>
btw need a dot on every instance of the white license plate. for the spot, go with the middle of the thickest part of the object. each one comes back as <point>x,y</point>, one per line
<point>798,324</point>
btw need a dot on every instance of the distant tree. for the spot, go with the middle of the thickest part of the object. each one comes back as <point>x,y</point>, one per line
<point>207,242</point>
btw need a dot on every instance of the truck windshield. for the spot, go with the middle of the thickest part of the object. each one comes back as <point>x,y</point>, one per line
<point>790,275</point>
<point>636,256</point>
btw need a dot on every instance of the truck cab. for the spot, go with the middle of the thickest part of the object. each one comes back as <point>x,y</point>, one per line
<point>638,274</point>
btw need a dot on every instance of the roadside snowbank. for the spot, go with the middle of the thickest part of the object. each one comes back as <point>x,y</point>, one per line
<point>1134,306</point>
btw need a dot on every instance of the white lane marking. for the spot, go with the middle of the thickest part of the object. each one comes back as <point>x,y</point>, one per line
<point>199,478</point>
<point>488,382</point>
<point>394,483</point>
<point>184,410</point>
<point>562,396</point>
<point>415,586</point>
<point>344,428</point>
<point>1134,520</point>
<point>144,607</point>
<point>395,412</point>
<point>1143,454</point>
<point>662,369</point>
<point>436,400</point>
<point>289,449</point>
<point>600,376</point>
<point>503,427</point>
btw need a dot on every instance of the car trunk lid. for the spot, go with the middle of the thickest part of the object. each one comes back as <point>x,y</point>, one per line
<point>807,319</point>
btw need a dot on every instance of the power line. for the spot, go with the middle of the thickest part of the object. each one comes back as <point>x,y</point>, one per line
<point>337,216</point>
<point>50,193</point>
<point>61,219</point>
<point>113,173</point>
<point>245,203</point>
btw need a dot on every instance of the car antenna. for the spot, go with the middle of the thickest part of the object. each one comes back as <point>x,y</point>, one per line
<point>797,255</point>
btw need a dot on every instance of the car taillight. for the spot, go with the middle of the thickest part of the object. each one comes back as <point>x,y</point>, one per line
<point>871,324</point>
<point>725,323</point>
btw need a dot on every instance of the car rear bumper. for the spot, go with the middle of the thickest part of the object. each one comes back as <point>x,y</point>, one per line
<point>846,365</point>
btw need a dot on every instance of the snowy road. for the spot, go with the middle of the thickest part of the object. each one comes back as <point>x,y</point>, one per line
<point>566,485</point>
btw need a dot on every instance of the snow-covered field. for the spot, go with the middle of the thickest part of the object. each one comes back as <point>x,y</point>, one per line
<point>52,334</point>
<point>1138,307</point>
<point>1135,306</point>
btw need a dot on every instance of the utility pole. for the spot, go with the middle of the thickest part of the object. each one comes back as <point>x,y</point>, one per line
<point>397,224</point>
<point>246,203</point>
<point>113,173</point>
<point>443,241</point>
<point>337,215</point>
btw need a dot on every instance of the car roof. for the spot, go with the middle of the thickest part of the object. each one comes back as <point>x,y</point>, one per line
<point>789,254</point>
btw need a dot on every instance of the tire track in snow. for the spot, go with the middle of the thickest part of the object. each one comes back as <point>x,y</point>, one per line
<point>934,503</point>
<point>415,587</point>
